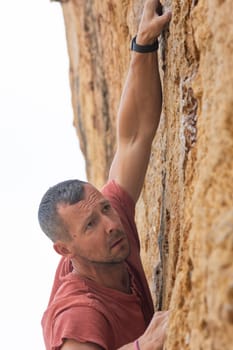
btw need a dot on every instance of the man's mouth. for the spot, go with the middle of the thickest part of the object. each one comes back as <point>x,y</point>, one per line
<point>119,240</point>
<point>116,239</point>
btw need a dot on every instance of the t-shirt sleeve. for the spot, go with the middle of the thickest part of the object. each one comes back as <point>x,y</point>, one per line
<point>83,324</point>
<point>120,197</point>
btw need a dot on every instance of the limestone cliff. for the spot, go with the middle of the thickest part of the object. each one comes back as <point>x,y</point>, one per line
<point>185,213</point>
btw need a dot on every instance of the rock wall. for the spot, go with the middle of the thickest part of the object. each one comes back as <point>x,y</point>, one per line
<point>185,213</point>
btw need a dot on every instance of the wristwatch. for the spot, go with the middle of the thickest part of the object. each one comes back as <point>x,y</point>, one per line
<point>144,48</point>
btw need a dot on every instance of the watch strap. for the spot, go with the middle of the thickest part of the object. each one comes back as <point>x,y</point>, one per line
<point>144,48</point>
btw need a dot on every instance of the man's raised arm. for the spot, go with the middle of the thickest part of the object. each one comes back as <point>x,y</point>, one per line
<point>140,106</point>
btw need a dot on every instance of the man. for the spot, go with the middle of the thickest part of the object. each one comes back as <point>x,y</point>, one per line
<point>100,298</point>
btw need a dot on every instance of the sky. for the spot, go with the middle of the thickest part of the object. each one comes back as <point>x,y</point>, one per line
<point>38,148</point>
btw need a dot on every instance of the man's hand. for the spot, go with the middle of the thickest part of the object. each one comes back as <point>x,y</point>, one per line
<point>152,22</point>
<point>154,336</point>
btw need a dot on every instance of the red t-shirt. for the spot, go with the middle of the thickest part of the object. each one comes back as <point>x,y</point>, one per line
<point>85,311</point>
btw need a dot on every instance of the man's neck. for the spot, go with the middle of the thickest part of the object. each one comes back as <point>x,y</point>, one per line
<point>114,276</point>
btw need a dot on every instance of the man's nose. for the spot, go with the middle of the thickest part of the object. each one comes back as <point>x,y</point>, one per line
<point>110,225</point>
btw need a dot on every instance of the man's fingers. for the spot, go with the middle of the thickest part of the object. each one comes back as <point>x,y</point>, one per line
<point>159,317</point>
<point>164,18</point>
<point>162,313</point>
<point>163,317</point>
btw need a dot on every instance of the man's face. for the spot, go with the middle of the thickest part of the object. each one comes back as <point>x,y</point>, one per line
<point>96,230</point>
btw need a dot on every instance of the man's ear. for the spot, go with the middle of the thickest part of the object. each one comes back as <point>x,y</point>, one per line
<point>62,248</point>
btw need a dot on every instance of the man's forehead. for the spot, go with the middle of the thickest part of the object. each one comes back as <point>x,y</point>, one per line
<point>90,199</point>
<point>91,195</point>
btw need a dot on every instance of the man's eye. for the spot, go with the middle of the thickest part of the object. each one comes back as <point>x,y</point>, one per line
<point>90,224</point>
<point>107,207</point>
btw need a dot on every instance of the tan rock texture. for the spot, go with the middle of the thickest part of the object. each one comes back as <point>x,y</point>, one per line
<point>185,213</point>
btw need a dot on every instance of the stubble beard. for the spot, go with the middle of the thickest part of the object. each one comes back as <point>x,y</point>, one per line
<point>118,234</point>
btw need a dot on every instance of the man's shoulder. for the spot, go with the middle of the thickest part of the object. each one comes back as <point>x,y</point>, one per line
<point>112,186</point>
<point>75,291</point>
<point>119,197</point>
<point>74,313</point>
